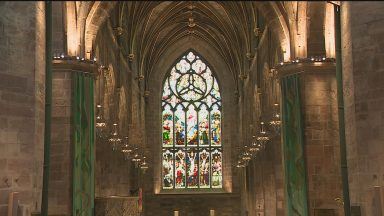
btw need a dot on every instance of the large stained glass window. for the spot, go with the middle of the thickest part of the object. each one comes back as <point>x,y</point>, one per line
<point>191,122</point>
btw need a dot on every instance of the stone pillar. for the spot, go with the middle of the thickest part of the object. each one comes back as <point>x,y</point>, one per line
<point>321,137</point>
<point>22,84</point>
<point>61,156</point>
<point>363,67</point>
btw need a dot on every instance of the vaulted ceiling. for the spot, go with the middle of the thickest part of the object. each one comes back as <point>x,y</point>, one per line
<point>148,28</point>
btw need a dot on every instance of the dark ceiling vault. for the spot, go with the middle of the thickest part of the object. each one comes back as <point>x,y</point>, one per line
<point>147,28</point>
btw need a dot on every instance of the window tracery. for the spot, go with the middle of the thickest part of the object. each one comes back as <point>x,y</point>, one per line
<point>191,126</point>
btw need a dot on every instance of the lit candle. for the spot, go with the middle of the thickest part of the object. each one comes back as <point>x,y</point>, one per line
<point>211,212</point>
<point>176,213</point>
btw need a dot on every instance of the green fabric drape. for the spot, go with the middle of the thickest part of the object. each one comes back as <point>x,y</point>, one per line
<point>293,148</point>
<point>83,161</point>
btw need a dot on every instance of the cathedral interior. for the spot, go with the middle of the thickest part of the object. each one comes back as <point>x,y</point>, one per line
<point>192,108</point>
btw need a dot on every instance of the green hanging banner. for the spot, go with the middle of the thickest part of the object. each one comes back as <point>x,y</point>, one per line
<point>84,156</point>
<point>293,148</point>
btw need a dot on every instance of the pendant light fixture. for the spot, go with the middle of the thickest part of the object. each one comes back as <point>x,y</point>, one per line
<point>144,165</point>
<point>136,156</point>
<point>101,124</point>
<point>114,139</point>
<point>263,136</point>
<point>126,149</point>
<point>275,121</point>
<point>246,155</point>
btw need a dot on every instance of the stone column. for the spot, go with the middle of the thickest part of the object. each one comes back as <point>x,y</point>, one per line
<point>363,67</point>
<point>62,139</point>
<point>22,84</point>
<point>321,138</point>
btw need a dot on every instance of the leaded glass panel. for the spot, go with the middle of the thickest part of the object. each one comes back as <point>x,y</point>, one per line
<point>191,126</point>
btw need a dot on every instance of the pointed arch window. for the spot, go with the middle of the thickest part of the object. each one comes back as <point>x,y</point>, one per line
<point>191,126</point>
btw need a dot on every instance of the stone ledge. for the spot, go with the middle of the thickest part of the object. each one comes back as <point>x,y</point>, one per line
<point>59,65</point>
<point>306,67</point>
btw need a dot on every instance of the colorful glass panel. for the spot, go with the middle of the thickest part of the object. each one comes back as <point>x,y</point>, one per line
<point>215,126</point>
<point>205,164</point>
<point>192,166</point>
<point>203,126</point>
<point>191,121</point>
<point>167,126</point>
<point>180,169</point>
<point>217,171</point>
<point>192,138</point>
<point>168,179</point>
<point>179,126</point>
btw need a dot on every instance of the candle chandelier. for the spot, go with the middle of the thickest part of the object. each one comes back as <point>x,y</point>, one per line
<point>275,121</point>
<point>101,124</point>
<point>261,138</point>
<point>114,139</point>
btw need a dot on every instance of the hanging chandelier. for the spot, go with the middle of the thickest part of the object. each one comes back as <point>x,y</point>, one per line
<point>114,139</point>
<point>240,163</point>
<point>136,157</point>
<point>246,155</point>
<point>255,146</point>
<point>263,136</point>
<point>144,165</point>
<point>275,121</point>
<point>100,122</point>
<point>126,149</point>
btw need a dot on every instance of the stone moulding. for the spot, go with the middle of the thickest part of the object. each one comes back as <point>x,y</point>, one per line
<point>306,67</point>
<point>74,66</point>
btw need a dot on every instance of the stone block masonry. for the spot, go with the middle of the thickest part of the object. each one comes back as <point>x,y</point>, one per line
<point>22,45</point>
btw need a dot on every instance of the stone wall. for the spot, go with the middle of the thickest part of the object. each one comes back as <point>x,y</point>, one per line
<point>61,151</point>
<point>119,97</point>
<point>22,78</point>
<point>363,68</point>
<point>321,140</point>
<point>262,180</point>
<point>156,203</point>
<point>263,189</point>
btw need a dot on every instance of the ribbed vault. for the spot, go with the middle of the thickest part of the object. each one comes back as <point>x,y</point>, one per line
<point>149,28</point>
<point>145,29</point>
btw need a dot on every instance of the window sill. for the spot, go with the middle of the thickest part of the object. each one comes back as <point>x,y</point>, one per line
<point>193,191</point>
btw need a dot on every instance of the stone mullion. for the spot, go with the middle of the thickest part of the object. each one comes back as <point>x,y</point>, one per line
<point>174,150</point>
<point>185,149</point>
<point>198,148</point>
